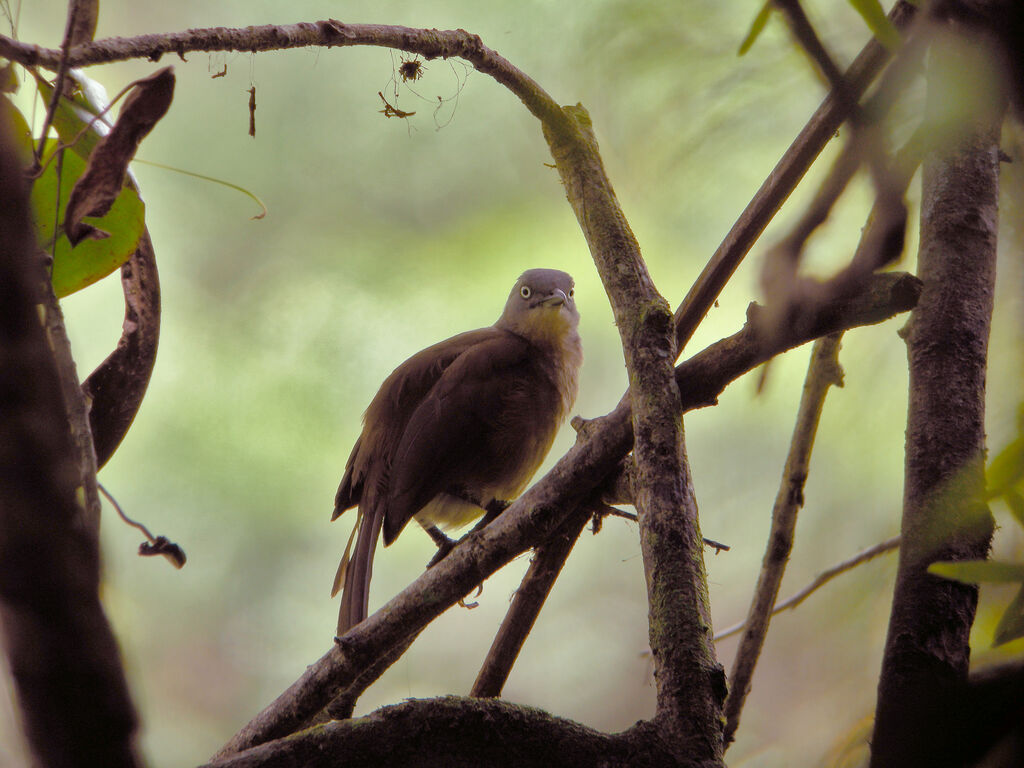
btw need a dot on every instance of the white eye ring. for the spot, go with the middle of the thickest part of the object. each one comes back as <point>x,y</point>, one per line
<point>525,292</point>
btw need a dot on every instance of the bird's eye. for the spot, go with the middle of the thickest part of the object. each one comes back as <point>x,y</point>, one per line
<point>525,292</point>
<point>572,292</point>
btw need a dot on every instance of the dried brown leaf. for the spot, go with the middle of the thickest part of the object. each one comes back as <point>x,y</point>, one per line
<point>101,183</point>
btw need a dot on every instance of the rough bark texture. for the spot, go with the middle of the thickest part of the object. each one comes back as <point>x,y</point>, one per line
<point>545,566</point>
<point>62,654</point>
<point>690,681</point>
<point>823,372</point>
<point>454,732</point>
<point>944,518</point>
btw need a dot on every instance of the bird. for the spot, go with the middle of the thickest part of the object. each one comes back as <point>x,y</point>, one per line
<point>460,427</point>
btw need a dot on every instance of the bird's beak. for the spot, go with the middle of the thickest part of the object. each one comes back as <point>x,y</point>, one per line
<point>556,299</point>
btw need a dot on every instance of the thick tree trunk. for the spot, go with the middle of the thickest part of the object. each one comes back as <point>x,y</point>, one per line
<point>62,654</point>
<point>944,516</point>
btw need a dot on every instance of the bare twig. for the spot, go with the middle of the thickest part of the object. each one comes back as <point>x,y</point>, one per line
<point>540,577</point>
<point>154,545</point>
<point>780,183</point>
<point>822,373</point>
<point>819,581</point>
<point>74,9</point>
<point>808,39</point>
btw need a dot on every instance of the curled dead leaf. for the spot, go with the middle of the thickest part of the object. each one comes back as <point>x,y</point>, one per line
<point>101,183</point>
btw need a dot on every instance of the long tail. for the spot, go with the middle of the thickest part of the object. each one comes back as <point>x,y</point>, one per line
<point>355,593</point>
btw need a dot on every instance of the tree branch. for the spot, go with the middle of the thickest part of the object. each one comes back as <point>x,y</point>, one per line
<point>944,513</point>
<point>823,372</point>
<point>540,577</point>
<point>62,654</point>
<point>461,732</point>
<point>819,581</point>
<point>780,183</point>
<point>429,43</point>
<point>691,683</point>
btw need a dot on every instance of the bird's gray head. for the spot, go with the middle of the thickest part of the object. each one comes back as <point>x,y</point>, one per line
<point>541,307</point>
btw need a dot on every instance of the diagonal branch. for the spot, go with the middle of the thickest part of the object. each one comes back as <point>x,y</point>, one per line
<point>819,581</point>
<point>823,372</point>
<point>780,183</point>
<point>540,577</point>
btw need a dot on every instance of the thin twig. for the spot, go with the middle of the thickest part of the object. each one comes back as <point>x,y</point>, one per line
<point>780,183</point>
<point>780,280</point>
<point>120,513</point>
<point>156,545</point>
<point>819,581</point>
<point>540,577</point>
<point>58,86</point>
<point>808,39</point>
<point>606,509</point>
<point>822,373</point>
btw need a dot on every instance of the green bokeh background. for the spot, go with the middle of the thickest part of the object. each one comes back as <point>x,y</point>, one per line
<point>384,236</point>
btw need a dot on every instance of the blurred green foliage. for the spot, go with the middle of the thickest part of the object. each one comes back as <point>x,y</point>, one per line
<point>384,236</point>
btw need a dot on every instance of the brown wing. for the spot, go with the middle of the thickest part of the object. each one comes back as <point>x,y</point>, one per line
<point>368,470</point>
<point>461,435</point>
<point>386,417</point>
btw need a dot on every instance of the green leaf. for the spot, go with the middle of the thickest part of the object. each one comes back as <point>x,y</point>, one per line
<point>1006,470</point>
<point>974,571</point>
<point>1011,625</point>
<point>1016,504</point>
<point>18,130</point>
<point>874,16</point>
<point>756,28</point>
<point>72,117</point>
<point>91,260</point>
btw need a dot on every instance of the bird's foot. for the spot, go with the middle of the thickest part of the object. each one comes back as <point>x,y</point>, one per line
<point>444,545</point>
